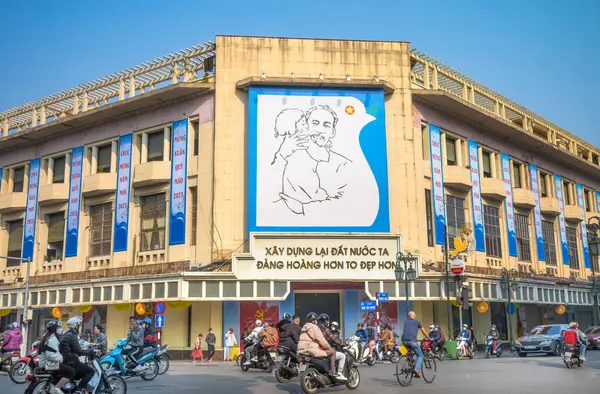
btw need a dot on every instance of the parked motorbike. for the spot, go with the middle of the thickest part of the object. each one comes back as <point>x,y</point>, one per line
<point>463,349</point>
<point>392,355</point>
<point>489,346</point>
<point>314,373</point>
<point>103,382</point>
<point>124,365</point>
<point>265,362</point>
<point>571,356</point>
<point>25,365</point>
<point>359,353</point>
<point>163,359</point>
<point>287,364</point>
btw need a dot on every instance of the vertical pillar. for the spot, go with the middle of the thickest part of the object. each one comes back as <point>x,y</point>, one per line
<point>50,172</point>
<point>94,159</point>
<point>167,144</point>
<point>493,165</point>
<point>43,115</point>
<point>351,312</point>
<point>113,156</point>
<point>132,86</point>
<point>11,179</point>
<point>84,105</point>
<point>67,168</point>
<point>144,153</point>
<point>459,152</point>
<point>426,76</point>
<point>121,89</point>
<point>26,178</point>
<point>434,80</point>
<point>480,160</point>
<point>33,118</point>
<point>444,150</point>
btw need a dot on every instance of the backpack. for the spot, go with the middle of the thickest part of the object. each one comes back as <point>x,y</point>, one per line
<point>570,337</point>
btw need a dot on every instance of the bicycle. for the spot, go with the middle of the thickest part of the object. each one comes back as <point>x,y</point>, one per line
<point>406,369</point>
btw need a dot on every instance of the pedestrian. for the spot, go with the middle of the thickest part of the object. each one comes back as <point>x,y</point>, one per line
<point>99,339</point>
<point>197,352</point>
<point>230,342</point>
<point>211,341</point>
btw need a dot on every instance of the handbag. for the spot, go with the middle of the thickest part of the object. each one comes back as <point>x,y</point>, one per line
<point>52,365</point>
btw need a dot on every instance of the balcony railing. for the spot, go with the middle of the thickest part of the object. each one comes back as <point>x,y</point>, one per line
<point>186,65</point>
<point>431,74</point>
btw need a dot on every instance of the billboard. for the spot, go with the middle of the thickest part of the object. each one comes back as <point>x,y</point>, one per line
<point>317,160</point>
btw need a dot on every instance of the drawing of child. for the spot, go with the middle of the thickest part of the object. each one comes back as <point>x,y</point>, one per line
<point>300,178</point>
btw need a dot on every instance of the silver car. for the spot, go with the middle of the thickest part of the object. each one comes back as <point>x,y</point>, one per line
<point>542,339</point>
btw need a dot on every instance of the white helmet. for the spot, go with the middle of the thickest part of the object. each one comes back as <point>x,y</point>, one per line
<point>74,322</point>
<point>265,325</point>
<point>431,327</point>
<point>257,323</point>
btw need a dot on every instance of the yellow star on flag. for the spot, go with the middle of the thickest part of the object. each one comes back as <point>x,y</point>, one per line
<point>350,110</point>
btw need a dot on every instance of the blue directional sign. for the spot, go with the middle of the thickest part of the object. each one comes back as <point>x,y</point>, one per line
<point>383,297</point>
<point>368,306</point>
<point>159,321</point>
<point>511,308</point>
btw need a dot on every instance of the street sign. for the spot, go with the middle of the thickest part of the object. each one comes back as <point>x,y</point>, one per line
<point>457,266</point>
<point>159,321</point>
<point>383,297</point>
<point>160,307</point>
<point>511,308</point>
<point>368,306</point>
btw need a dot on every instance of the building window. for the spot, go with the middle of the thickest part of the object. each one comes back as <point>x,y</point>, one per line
<point>542,184</point>
<point>100,229</point>
<point>487,164</point>
<point>152,235</point>
<point>517,175</point>
<point>196,131</point>
<point>194,197</point>
<point>15,241</point>
<point>455,210</point>
<point>18,179</point>
<point>429,217</point>
<point>56,236</point>
<point>156,142</point>
<point>572,246</point>
<point>58,169</point>
<point>450,151</point>
<point>491,221</point>
<point>549,242</point>
<point>523,245</point>
<point>104,158</point>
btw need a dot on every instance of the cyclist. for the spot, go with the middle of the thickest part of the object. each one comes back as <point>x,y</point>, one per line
<point>412,326</point>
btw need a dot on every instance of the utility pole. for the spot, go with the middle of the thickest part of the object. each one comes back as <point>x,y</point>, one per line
<point>25,325</point>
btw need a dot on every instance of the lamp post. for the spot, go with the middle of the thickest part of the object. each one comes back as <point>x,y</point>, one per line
<point>508,281</point>
<point>405,271</point>
<point>25,300</point>
<point>594,246</point>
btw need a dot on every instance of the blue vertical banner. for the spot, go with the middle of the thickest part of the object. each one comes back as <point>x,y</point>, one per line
<point>437,184</point>
<point>510,209</point>
<point>476,194</point>
<point>122,200</point>
<point>584,239</point>
<point>31,209</point>
<point>179,146</point>
<point>597,200</point>
<point>74,202</point>
<point>561,219</point>
<point>537,213</point>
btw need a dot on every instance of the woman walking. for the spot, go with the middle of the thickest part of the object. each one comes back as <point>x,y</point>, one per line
<point>197,352</point>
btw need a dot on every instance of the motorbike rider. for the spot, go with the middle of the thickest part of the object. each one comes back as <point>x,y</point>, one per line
<point>467,335</point>
<point>49,356</point>
<point>363,338</point>
<point>387,338</point>
<point>150,338</point>
<point>411,329</point>
<point>269,338</point>
<point>495,335</point>
<point>289,333</point>
<point>573,336</point>
<point>71,350</point>
<point>335,329</point>
<point>435,336</point>
<point>251,341</point>
<point>135,339</point>
<point>313,343</point>
<point>340,357</point>
<point>99,339</point>
<point>3,336</point>
<point>13,339</point>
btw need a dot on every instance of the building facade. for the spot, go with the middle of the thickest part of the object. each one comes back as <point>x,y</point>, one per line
<point>256,176</point>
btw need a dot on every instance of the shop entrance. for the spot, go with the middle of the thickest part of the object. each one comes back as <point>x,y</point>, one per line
<point>319,303</point>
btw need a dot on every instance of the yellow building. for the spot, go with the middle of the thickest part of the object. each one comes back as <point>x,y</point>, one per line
<point>256,176</point>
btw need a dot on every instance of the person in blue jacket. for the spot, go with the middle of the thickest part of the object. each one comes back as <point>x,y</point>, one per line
<point>363,334</point>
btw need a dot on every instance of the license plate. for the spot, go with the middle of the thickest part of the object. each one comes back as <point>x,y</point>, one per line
<point>568,354</point>
<point>301,368</point>
<point>529,347</point>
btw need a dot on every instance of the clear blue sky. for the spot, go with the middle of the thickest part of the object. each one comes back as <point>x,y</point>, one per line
<point>543,54</point>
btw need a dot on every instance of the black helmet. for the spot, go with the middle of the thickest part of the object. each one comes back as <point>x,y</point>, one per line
<point>287,316</point>
<point>311,317</point>
<point>52,325</point>
<point>324,319</point>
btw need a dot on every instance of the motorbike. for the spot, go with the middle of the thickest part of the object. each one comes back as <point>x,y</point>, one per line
<point>438,352</point>
<point>103,382</point>
<point>392,355</point>
<point>287,364</point>
<point>25,365</point>
<point>463,349</point>
<point>361,356</point>
<point>8,359</point>
<point>489,346</point>
<point>265,362</point>
<point>162,358</point>
<point>314,373</point>
<point>124,365</point>
<point>571,357</point>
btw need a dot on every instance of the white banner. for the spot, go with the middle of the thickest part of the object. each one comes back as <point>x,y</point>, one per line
<point>319,257</point>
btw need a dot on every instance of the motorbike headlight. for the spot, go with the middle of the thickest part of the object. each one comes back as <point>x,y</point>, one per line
<point>517,341</point>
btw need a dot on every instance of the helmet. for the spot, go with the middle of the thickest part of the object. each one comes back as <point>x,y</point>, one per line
<point>335,326</point>
<point>465,326</point>
<point>147,320</point>
<point>9,327</point>
<point>431,327</point>
<point>16,324</point>
<point>573,325</point>
<point>437,327</point>
<point>74,322</point>
<point>493,328</point>
<point>324,319</point>
<point>265,325</point>
<point>52,325</point>
<point>287,316</point>
<point>311,317</point>
<point>257,323</point>
<point>138,322</point>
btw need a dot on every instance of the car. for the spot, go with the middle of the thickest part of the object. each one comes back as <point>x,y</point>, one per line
<point>593,335</point>
<point>542,339</point>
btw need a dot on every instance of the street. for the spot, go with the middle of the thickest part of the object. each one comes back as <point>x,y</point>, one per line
<point>534,374</point>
